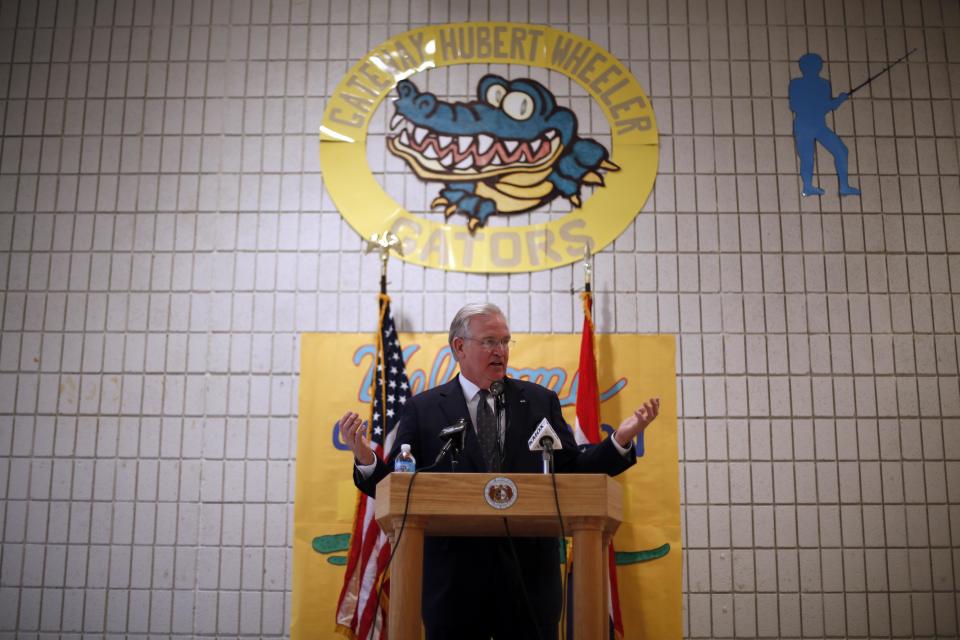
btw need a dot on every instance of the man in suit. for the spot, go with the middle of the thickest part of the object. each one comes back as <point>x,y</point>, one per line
<point>472,587</point>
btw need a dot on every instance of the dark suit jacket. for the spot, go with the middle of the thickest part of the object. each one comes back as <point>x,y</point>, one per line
<point>467,580</point>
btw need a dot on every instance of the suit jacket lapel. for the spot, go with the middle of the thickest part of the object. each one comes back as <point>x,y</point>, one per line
<point>454,406</point>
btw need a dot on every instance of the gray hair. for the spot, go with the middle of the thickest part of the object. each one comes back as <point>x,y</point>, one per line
<point>460,325</point>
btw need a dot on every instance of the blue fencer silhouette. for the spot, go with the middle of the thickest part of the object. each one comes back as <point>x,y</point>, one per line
<point>811,99</point>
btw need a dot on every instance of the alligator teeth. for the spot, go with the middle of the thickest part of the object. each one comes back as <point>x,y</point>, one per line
<point>396,121</point>
<point>535,145</point>
<point>510,145</point>
<point>495,159</point>
<point>522,157</point>
<point>484,142</point>
<point>419,134</point>
<point>463,143</point>
<point>447,160</point>
<point>444,141</point>
<point>404,138</point>
<point>551,134</point>
<point>409,126</point>
<point>430,152</point>
<point>466,163</point>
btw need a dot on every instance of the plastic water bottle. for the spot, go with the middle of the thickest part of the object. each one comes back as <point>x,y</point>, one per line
<point>404,462</point>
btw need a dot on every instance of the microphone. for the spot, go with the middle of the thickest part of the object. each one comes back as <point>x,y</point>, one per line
<point>454,435</point>
<point>496,390</point>
<point>453,438</point>
<point>545,439</point>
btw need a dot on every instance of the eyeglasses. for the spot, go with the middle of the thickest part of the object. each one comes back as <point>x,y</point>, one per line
<point>489,344</point>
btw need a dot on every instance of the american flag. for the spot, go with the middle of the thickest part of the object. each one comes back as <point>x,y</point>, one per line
<point>359,615</point>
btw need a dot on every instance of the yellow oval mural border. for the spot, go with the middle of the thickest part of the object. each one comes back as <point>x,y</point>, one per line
<point>493,249</point>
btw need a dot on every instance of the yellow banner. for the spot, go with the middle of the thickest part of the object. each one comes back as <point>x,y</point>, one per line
<point>335,375</point>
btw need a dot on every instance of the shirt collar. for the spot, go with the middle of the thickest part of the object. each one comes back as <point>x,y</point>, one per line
<point>469,389</point>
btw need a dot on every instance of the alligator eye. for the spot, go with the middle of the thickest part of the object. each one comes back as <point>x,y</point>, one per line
<point>518,105</point>
<point>495,95</point>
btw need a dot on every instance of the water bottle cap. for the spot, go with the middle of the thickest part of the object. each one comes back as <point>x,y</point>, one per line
<point>405,448</point>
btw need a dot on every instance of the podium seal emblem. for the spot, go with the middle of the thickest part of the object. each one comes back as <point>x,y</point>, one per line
<point>500,493</point>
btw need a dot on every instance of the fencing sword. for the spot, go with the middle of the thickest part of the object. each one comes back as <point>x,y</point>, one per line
<point>880,73</point>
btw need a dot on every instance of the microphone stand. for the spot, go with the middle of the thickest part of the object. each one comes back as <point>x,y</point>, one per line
<point>547,454</point>
<point>497,390</point>
<point>498,408</point>
<point>454,459</point>
<point>455,442</point>
<point>444,451</point>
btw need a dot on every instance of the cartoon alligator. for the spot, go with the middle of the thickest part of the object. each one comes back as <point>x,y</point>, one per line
<point>511,150</point>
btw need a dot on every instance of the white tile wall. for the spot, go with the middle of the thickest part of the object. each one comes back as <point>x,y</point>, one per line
<point>165,237</point>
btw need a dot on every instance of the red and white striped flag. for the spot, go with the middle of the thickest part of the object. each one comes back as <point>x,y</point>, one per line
<point>587,431</point>
<point>587,425</point>
<point>359,615</point>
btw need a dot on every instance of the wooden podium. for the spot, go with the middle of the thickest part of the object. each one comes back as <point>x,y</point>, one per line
<point>454,504</point>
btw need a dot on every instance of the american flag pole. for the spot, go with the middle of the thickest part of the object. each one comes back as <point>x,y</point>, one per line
<point>362,607</point>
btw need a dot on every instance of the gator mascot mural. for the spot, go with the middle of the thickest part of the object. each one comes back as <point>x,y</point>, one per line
<point>512,150</point>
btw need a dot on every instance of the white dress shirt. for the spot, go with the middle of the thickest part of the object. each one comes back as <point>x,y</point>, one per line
<point>472,394</point>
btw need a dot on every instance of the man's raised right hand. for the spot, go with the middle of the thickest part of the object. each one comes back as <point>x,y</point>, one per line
<point>353,432</point>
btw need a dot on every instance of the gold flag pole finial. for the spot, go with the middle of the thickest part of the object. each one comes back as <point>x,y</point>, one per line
<point>587,267</point>
<point>383,243</point>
